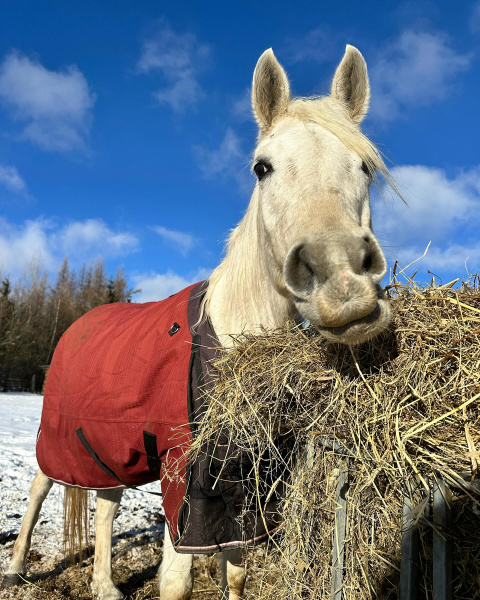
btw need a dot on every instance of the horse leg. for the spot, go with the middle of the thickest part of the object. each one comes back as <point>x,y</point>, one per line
<point>175,576</point>
<point>18,566</point>
<point>233,572</point>
<point>103,587</point>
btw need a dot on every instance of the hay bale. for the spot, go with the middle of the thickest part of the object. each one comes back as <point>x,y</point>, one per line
<point>401,410</point>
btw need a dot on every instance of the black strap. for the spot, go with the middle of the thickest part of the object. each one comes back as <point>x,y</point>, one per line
<point>104,467</point>
<point>153,461</point>
<point>92,453</point>
<point>196,346</point>
<point>195,365</point>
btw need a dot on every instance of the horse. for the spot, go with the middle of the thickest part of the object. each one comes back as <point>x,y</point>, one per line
<point>305,247</point>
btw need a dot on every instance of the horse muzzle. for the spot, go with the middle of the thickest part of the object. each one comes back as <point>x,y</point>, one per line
<point>336,286</point>
<point>360,330</point>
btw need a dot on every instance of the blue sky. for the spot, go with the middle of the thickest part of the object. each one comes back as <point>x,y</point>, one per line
<point>125,127</point>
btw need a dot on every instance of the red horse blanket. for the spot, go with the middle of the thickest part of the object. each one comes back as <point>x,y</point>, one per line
<point>120,409</point>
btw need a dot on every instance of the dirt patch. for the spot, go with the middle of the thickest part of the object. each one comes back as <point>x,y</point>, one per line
<point>135,565</point>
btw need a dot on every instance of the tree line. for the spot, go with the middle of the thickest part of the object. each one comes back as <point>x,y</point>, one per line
<point>34,313</point>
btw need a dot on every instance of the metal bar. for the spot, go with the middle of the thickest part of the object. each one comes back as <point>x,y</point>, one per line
<point>295,557</point>
<point>442,543</point>
<point>334,445</point>
<point>338,555</point>
<point>410,563</point>
<point>462,481</point>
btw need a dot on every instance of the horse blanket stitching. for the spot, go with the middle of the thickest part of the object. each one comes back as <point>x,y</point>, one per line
<point>124,392</point>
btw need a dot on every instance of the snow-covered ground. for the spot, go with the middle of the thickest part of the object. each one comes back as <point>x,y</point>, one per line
<point>19,421</point>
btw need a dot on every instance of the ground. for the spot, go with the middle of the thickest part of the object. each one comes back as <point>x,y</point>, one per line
<point>135,564</point>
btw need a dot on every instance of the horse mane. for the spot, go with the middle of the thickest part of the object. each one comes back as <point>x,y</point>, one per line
<point>331,114</point>
<point>241,257</point>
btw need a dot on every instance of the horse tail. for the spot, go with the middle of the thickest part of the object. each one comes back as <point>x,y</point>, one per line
<point>75,523</point>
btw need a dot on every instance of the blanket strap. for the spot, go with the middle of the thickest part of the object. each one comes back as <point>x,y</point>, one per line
<point>153,461</point>
<point>107,469</point>
<point>94,455</point>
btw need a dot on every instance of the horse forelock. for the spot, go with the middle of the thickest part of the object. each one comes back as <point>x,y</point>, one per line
<point>331,114</point>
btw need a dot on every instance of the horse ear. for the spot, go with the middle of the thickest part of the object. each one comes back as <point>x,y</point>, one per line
<point>270,90</point>
<point>350,84</point>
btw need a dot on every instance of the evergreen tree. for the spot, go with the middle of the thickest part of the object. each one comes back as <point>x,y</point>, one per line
<point>35,314</point>
<point>7,307</point>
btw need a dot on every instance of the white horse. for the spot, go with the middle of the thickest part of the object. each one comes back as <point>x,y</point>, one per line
<point>305,245</point>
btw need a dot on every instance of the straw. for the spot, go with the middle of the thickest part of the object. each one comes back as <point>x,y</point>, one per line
<point>401,410</point>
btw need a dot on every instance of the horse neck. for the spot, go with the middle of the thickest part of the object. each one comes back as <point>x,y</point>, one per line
<point>243,297</point>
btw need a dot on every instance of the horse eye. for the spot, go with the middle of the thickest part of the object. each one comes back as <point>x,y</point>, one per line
<point>365,169</point>
<point>261,169</point>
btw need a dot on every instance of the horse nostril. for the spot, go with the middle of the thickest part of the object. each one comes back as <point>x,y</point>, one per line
<point>367,263</point>
<point>299,275</point>
<point>373,263</point>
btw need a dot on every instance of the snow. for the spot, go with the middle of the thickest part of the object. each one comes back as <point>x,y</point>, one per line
<point>19,422</point>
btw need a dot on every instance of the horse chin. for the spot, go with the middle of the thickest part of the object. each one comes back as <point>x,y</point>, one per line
<point>359,331</point>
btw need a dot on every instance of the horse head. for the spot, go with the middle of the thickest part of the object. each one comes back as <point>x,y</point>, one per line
<point>314,169</point>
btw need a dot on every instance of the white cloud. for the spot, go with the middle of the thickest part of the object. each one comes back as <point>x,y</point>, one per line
<point>242,106</point>
<point>317,45</point>
<point>475,18</point>
<point>418,69</point>
<point>181,240</point>
<point>10,178</point>
<point>442,210</point>
<point>93,234</point>
<point>436,204</point>
<point>45,242</point>
<point>227,160</point>
<point>219,161</point>
<point>178,57</point>
<point>157,286</point>
<point>454,258</point>
<point>20,246</point>
<point>55,106</point>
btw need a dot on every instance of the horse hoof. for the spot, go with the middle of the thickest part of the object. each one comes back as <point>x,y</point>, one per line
<point>11,579</point>
<point>109,592</point>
